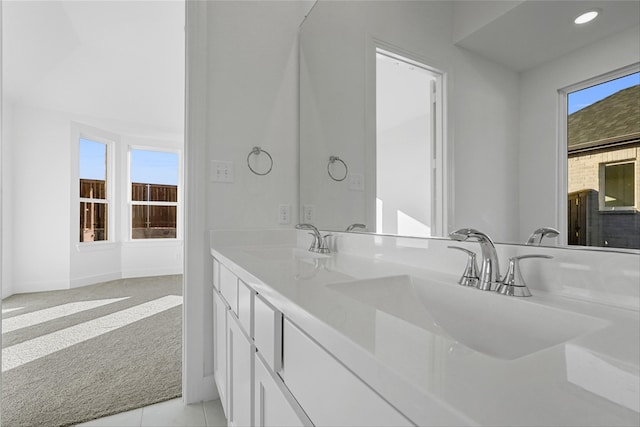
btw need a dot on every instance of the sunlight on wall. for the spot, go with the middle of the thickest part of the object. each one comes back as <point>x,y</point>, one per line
<point>409,226</point>
<point>379,210</point>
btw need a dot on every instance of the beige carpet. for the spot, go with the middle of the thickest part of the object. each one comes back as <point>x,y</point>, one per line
<point>76,355</point>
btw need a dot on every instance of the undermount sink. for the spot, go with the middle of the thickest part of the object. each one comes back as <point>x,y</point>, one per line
<point>283,254</point>
<point>495,325</point>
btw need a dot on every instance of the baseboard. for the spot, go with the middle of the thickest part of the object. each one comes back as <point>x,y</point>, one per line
<point>21,288</point>
<point>92,280</point>
<point>204,391</point>
<point>148,272</point>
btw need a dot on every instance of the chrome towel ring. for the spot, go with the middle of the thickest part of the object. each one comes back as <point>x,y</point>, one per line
<point>332,160</point>
<point>256,151</point>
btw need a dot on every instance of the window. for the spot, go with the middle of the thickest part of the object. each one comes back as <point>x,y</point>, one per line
<point>617,184</point>
<point>94,200</point>
<point>154,194</point>
<point>603,147</point>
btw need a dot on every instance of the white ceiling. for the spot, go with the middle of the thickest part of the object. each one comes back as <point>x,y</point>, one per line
<point>120,60</point>
<point>124,60</point>
<point>528,33</point>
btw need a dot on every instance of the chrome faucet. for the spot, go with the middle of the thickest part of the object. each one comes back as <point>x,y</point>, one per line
<point>319,243</point>
<point>537,236</point>
<point>490,270</point>
<point>356,225</point>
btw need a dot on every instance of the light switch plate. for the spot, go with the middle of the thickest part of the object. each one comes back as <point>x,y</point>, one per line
<point>308,214</point>
<point>284,214</point>
<point>221,171</point>
<point>356,181</point>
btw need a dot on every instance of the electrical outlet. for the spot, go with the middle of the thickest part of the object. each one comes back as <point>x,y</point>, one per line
<point>356,181</point>
<point>284,214</point>
<point>308,214</point>
<point>221,171</point>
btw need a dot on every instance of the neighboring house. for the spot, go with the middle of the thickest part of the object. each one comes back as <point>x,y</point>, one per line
<point>604,172</point>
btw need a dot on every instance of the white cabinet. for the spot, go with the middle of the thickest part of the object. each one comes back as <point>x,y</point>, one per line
<point>216,274</point>
<point>240,353</point>
<point>220,310</point>
<point>229,287</point>
<point>268,333</point>
<point>245,307</point>
<point>270,373</point>
<point>330,394</point>
<point>274,404</point>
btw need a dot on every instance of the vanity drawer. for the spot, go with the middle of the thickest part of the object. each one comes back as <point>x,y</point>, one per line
<point>267,331</point>
<point>245,306</point>
<point>229,288</point>
<point>331,394</point>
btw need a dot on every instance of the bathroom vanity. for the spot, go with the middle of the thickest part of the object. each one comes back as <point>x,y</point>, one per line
<point>378,332</point>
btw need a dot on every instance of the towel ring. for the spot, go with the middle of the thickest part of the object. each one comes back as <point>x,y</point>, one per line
<point>256,151</point>
<point>333,159</point>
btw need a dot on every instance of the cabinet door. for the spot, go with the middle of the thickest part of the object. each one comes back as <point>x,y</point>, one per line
<point>240,353</point>
<point>245,307</point>
<point>274,404</point>
<point>268,333</point>
<point>229,287</point>
<point>331,394</point>
<point>220,347</point>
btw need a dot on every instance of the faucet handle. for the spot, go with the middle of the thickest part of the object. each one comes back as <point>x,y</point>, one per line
<point>323,247</point>
<point>513,283</point>
<point>315,244</point>
<point>470,275</point>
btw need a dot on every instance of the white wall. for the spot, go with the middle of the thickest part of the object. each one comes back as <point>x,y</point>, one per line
<point>482,110</point>
<point>538,157</point>
<point>6,232</point>
<point>244,55</point>
<point>253,101</point>
<point>43,218</point>
<point>40,201</point>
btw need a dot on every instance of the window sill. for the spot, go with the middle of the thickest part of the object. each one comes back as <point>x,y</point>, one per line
<point>96,246</point>
<point>152,242</point>
<point>619,211</point>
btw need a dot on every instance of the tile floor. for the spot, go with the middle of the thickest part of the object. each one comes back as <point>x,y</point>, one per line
<point>172,413</point>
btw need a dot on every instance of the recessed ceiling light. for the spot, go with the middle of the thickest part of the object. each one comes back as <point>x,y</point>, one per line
<point>587,17</point>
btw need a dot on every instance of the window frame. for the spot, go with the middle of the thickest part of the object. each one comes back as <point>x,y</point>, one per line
<point>562,167</point>
<point>602,187</point>
<point>130,202</point>
<point>110,184</point>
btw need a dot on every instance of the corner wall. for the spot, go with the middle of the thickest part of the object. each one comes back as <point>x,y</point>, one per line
<point>242,91</point>
<point>41,251</point>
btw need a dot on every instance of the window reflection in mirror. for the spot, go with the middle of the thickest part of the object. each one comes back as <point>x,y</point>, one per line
<point>603,140</point>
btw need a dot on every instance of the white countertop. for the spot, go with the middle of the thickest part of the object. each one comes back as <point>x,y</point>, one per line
<point>592,379</point>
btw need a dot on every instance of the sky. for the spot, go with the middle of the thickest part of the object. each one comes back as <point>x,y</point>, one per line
<point>149,167</point>
<point>585,97</point>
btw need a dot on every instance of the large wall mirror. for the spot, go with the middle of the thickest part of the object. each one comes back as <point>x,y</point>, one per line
<point>418,118</point>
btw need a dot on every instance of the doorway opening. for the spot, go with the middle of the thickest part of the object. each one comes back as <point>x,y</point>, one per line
<point>92,250</point>
<point>409,147</point>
